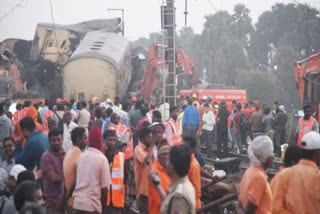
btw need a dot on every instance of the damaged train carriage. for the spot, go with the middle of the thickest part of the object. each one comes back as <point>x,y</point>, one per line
<point>100,66</point>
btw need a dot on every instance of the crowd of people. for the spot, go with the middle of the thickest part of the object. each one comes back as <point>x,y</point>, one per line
<point>89,157</point>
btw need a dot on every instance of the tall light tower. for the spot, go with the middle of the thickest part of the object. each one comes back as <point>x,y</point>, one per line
<point>122,19</point>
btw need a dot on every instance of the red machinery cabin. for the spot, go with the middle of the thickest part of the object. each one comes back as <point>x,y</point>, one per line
<point>218,95</point>
<point>307,75</point>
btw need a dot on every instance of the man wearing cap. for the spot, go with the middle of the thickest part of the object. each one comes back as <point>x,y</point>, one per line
<point>173,129</point>
<point>13,176</point>
<point>123,134</point>
<point>297,190</point>
<point>158,138</point>
<point>93,177</point>
<point>195,102</point>
<point>12,183</point>
<point>306,124</point>
<point>119,175</point>
<point>160,168</point>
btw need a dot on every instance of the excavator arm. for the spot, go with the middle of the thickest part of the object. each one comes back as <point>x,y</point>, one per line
<point>153,74</point>
<point>307,75</point>
<point>154,64</point>
<point>184,60</point>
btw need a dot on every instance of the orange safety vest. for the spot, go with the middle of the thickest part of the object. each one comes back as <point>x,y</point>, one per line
<point>23,112</point>
<point>229,121</point>
<point>304,127</point>
<point>176,134</point>
<point>117,181</point>
<point>120,130</point>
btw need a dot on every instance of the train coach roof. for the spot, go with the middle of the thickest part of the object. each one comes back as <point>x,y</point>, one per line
<point>110,25</point>
<point>110,47</point>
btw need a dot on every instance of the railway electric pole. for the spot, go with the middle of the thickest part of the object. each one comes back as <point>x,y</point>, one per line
<point>169,51</point>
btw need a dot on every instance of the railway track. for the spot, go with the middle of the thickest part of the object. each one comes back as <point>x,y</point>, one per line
<point>245,161</point>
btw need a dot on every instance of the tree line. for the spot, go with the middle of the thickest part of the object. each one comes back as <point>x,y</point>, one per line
<point>259,58</point>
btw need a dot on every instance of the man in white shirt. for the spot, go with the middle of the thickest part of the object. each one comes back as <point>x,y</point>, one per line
<point>68,126</point>
<point>83,116</point>
<point>208,123</point>
<point>164,108</point>
<point>73,113</point>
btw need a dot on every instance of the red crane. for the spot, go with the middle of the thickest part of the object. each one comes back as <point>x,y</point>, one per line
<point>307,75</point>
<point>153,74</point>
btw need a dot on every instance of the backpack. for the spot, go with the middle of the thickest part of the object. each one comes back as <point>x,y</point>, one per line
<point>244,123</point>
<point>60,122</point>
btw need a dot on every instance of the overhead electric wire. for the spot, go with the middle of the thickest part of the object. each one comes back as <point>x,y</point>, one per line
<point>307,7</point>
<point>212,5</point>
<point>11,10</point>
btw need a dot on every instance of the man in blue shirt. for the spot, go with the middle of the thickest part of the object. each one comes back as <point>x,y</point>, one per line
<point>36,145</point>
<point>191,119</point>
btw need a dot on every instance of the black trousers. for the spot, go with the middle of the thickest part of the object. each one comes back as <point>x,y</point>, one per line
<point>222,140</point>
<point>208,140</point>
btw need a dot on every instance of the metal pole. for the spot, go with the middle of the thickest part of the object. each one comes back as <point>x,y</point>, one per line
<point>122,22</point>
<point>171,56</point>
<point>186,12</point>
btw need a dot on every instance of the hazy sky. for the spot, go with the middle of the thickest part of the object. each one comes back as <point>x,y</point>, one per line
<point>141,16</point>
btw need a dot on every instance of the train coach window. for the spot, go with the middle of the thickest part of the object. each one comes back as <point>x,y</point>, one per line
<point>97,46</point>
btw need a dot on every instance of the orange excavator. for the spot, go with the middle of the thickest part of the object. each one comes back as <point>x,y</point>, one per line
<point>10,79</point>
<point>153,75</point>
<point>307,75</point>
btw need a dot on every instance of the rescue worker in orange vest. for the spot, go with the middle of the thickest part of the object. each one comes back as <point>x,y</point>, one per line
<point>119,174</point>
<point>195,101</point>
<point>306,124</point>
<point>26,105</point>
<point>123,133</point>
<point>173,129</point>
<point>158,174</point>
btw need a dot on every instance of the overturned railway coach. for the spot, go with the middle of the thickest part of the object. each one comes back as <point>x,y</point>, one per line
<point>100,66</point>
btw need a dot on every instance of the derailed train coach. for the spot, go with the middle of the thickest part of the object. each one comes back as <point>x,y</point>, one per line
<point>99,67</point>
